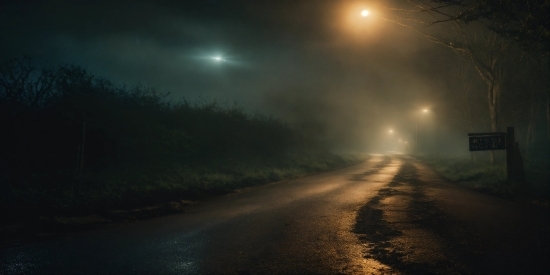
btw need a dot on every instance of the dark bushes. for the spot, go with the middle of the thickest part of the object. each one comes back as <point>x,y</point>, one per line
<point>73,142</point>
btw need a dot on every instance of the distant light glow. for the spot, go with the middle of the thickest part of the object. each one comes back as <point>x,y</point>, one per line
<point>218,58</point>
<point>390,131</point>
<point>365,13</point>
<point>425,110</point>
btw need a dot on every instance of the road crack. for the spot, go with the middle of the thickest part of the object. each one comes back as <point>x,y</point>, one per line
<point>405,230</point>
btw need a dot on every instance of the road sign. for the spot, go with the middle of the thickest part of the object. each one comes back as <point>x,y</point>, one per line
<point>487,141</point>
<point>500,141</point>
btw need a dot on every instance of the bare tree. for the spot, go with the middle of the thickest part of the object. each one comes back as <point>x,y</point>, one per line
<point>525,22</point>
<point>484,48</point>
<point>464,94</point>
<point>21,81</point>
<point>520,24</point>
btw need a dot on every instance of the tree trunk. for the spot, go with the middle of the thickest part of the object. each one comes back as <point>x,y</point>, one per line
<point>530,134</point>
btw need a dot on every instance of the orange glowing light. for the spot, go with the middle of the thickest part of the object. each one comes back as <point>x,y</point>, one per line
<point>358,23</point>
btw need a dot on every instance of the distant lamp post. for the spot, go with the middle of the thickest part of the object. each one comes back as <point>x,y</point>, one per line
<point>425,111</point>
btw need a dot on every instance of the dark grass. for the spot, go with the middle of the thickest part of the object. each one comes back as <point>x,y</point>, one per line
<point>482,175</point>
<point>70,194</point>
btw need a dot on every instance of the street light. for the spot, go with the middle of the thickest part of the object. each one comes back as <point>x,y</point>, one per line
<point>358,21</point>
<point>425,111</point>
<point>416,131</point>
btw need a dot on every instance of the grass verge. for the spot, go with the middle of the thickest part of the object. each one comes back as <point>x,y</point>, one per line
<point>134,187</point>
<point>487,177</point>
<point>67,203</point>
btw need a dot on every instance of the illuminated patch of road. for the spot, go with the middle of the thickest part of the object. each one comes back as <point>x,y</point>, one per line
<point>317,238</point>
<point>402,229</point>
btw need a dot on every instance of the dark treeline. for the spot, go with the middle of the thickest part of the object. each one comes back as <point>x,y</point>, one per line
<point>72,142</point>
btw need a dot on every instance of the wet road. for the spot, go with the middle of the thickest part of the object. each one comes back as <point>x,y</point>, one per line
<point>420,224</point>
<point>387,215</point>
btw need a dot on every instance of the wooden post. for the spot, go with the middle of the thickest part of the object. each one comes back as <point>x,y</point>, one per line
<point>510,141</point>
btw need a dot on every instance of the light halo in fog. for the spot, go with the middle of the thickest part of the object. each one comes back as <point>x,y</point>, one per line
<point>218,58</point>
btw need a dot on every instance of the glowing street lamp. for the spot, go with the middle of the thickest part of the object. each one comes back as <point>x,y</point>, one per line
<point>425,111</point>
<point>365,13</point>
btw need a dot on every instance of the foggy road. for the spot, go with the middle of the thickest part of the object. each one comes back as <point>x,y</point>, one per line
<point>202,137</point>
<point>389,214</point>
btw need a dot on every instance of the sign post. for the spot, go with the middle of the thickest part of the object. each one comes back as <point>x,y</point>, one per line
<point>496,141</point>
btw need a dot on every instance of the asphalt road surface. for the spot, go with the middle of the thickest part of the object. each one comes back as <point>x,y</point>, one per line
<point>388,215</point>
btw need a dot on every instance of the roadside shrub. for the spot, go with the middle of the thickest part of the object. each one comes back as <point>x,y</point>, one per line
<point>71,142</point>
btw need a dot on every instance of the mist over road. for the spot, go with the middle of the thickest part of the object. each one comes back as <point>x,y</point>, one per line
<point>388,214</point>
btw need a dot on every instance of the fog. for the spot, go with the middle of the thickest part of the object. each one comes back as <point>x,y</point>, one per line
<point>315,64</point>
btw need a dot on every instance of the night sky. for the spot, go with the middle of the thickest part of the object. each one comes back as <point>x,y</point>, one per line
<point>299,60</point>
